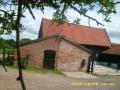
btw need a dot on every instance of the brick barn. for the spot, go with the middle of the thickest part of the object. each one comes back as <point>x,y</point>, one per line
<point>65,46</point>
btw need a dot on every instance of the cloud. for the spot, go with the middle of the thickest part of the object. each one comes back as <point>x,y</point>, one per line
<point>32,26</point>
<point>114,34</point>
<point>28,35</point>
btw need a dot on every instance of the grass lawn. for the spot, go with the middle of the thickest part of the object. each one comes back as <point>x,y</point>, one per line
<point>1,51</point>
<point>30,68</point>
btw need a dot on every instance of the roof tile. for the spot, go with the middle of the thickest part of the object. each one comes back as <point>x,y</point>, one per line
<point>78,33</point>
<point>115,49</point>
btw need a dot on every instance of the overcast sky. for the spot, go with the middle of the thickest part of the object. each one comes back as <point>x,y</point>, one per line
<point>32,26</point>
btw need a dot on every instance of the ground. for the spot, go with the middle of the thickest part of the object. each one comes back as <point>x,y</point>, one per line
<point>40,81</point>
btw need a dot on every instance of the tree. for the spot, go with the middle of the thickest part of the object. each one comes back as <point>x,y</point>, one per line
<point>77,21</point>
<point>10,42</point>
<point>10,20</point>
<point>3,47</point>
<point>60,18</point>
<point>24,40</point>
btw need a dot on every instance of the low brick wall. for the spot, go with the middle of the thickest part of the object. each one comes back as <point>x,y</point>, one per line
<point>70,57</point>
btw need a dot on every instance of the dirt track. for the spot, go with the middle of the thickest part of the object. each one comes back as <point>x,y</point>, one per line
<point>37,81</point>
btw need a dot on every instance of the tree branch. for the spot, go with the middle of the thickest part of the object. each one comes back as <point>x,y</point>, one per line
<point>4,11</point>
<point>28,7</point>
<point>26,4</point>
<point>64,8</point>
<point>73,7</point>
<point>115,2</point>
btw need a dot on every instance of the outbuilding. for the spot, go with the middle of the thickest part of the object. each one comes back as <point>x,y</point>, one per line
<point>65,46</point>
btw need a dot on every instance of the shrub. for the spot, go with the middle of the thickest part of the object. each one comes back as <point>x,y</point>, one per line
<point>9,60</point>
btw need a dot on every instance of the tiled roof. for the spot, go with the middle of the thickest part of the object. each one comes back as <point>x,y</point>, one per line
<point>78,33</point>
<point>115,49</point>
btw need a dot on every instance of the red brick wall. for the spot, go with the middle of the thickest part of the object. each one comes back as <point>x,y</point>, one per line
<point>37,51</point>
<point>70,57</point>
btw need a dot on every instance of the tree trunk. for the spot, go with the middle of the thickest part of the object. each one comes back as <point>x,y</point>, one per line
<point>18,44</point>
<point>3,62</point>
<point>3,54</point>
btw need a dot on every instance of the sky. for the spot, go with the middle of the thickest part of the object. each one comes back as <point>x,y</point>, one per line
<point>32,26</point>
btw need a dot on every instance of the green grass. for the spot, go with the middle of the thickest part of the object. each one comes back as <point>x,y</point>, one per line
<point>30,68</point>
<point>100,74</point>
<point>1,51</point>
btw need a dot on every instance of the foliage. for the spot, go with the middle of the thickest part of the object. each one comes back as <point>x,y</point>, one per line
<point>105,7</point>
<point>2,43</point>
<point>7,45</point>
<point>77,21</point>
<point>24,40</point>
<point>5,48</point>
<point>24,62</point>
<point>59,17</point>
<point>8,22</point>
<point>9,51</point>
<point>10,42</point>
<point>9,60</point>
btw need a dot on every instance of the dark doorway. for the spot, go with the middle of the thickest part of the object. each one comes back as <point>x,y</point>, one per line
<point>49,59</point>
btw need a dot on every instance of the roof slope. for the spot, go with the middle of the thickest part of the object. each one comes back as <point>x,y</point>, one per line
<point>78,33</point>
<point>57,36</point>
<point>115,49</point>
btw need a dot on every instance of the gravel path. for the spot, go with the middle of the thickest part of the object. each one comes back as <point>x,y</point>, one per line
<point>38,81</point>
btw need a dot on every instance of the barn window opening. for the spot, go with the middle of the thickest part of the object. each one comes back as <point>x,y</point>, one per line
<point>49,59</point>
<point>82,64</point>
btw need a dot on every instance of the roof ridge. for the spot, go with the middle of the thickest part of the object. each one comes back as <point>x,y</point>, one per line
<point>75,24</point>
<point>57,36</point>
